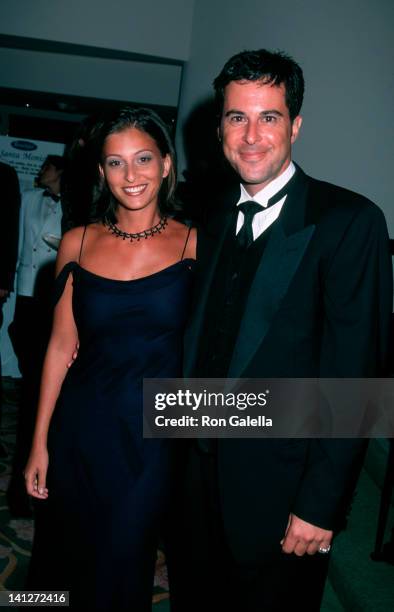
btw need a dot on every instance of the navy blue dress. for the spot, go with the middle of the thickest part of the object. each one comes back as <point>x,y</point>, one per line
<point>108,487</point>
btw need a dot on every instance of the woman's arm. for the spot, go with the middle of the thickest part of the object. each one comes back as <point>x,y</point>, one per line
<point>63,340</point>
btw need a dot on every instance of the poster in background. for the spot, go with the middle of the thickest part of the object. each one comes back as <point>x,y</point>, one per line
<point>27,157</point>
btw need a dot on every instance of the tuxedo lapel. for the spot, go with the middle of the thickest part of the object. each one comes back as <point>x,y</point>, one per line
<point>281,259</point>
<point>283,254</point>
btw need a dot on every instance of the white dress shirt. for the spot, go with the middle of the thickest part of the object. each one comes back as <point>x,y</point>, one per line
<point>40,215</point>
<point>263,219</point>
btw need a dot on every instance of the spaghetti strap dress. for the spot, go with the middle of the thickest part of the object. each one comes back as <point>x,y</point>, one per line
<point>97,534</point>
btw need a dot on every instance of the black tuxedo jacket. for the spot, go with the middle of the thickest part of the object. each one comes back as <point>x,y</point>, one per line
<point>10,204</point>
<point>319,306</point>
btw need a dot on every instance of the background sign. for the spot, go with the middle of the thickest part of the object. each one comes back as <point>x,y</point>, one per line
<point>27,157</point>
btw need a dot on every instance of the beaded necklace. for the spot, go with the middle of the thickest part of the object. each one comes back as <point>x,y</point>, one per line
<point>148,233</point>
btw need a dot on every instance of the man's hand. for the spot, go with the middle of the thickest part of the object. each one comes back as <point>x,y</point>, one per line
<point>302,537</point>
<point>4,293</point>
<point>73,356</point>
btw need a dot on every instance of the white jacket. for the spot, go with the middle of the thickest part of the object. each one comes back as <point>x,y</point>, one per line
<point>39,215</point>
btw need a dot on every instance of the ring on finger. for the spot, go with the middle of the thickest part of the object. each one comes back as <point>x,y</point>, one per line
<point>324,550</point>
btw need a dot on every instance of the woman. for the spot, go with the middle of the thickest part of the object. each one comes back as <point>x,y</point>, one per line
<point>124,284</point>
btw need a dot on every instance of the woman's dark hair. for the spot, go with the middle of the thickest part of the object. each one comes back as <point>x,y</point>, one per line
<point>266,66</point>
<point>145,120</point>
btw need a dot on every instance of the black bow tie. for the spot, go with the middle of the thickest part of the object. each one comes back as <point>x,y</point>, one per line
<point>49,194</point>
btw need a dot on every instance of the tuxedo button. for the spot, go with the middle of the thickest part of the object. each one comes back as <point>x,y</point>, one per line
<point>34,250</point>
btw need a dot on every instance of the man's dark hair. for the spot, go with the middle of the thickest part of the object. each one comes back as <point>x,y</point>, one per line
<point>55,160</point>
<point>266,66</point>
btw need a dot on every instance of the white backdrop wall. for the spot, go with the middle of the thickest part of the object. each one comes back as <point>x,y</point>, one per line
<point>152,28</point>
<point>346,49</point>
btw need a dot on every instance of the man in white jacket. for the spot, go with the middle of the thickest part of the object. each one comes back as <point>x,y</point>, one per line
<point>41,215</point>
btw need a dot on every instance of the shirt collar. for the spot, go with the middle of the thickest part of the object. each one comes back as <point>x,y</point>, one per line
<point>262,196</point>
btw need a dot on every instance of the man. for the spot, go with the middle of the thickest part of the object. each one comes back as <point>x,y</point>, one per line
<point>294,280</point>
<point>10,204</point>
<point>41,215</point>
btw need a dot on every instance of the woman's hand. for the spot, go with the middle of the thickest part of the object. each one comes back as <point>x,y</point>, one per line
<point>36,472</point>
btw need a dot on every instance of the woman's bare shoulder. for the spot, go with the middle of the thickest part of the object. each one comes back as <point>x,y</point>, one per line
<point>191,247</point>
<point>72,238</point>
<point>178,226</point>
<point>188,234</point>
<point>70,244</point>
